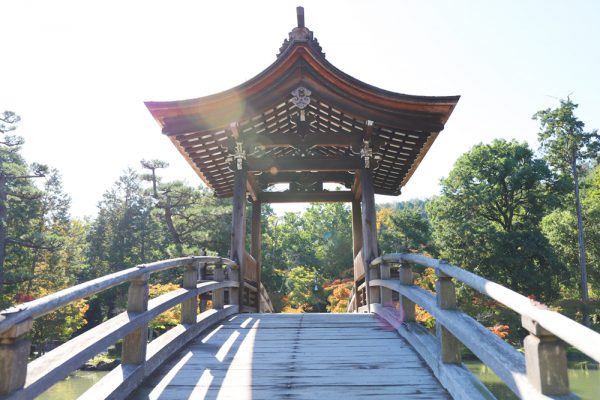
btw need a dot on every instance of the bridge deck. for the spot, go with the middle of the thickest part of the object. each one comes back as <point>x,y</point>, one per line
<point>298,356</point>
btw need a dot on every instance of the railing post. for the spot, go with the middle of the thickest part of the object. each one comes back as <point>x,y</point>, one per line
<point>406,278</point>
<point>134,344</point>
<point>14,353</point>
<point>218,296</point>
<point>189,308</point>
<point>234,275</point>
<point>446,300</point>
<point>545,359</point>
<point>385,294</point>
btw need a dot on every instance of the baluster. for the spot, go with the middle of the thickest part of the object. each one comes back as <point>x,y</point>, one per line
<point>385,293</point>
<point>14,353</point>
<point>134,344</point>
<point>218,296</point>
<point>408,306</point>
<point>545,359</point>
<point>446,300</point>
<point>189,308</point>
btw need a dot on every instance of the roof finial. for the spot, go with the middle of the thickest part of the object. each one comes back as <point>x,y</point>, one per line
<point>300,16</point>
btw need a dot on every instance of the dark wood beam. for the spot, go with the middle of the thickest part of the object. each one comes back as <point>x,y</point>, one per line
<point>292,164</point>
<point>306,197</point>
<point>284,177</point>
<point>311,140</point>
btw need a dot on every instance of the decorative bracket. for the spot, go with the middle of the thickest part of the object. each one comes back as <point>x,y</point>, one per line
<point>366,153</point>
<point>239,156</point>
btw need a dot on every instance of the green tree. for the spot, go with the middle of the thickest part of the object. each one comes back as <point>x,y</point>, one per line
<point>404,229</point>
<point>16,189</point>
<point>487,218</point>
<point>302,282</point>
<point>566,146</point>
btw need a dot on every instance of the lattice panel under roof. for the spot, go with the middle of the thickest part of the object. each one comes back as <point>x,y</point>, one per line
<point>397,150</point>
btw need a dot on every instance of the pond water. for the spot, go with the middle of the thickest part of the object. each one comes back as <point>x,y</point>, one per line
<point>73,386</point>
<point>584,382</point>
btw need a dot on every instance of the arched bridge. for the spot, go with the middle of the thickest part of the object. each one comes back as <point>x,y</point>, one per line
<point>229,350</point>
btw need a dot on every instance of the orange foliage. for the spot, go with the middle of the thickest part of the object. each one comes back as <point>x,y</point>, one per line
<point>340,295</point>
<point>500,330</point>
<point>169,318</point>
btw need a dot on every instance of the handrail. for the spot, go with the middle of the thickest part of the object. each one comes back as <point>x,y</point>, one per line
<point>577,335</point>
<point>541,373</point>
<point>19,380</point>
<point>45,305</point>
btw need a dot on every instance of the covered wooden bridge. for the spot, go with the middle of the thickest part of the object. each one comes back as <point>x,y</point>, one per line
<point>285,136</point>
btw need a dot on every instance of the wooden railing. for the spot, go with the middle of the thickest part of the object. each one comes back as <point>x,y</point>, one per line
<point>539,373</point>
<point>20,380</point>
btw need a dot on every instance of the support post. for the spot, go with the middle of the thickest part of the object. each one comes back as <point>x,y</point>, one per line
<point>238,228</point>
<point>134,344</point>
<point>369,234</point>
<point>189,308</point>
<point>357,239</point>
<point>446,300</point>
<point>408,306</point>
<point>255,249</point>
<point>218,295</point>
<point>545,360</point>
<point>14,353</point>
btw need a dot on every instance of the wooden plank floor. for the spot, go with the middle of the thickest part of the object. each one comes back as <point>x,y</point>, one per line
<point>295,356</point>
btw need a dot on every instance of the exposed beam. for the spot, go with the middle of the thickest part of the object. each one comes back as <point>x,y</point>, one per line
<point>292,164</point>
<point>311,140</point>
<point>306,197</point>
<point>284,177</point>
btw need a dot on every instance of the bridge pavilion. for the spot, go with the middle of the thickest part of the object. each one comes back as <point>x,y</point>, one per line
<point>305,123</point>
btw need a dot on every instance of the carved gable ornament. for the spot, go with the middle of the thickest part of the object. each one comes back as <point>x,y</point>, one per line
<point>301,97</point>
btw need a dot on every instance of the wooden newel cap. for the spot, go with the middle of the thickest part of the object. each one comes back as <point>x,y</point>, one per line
<point>300,16</point>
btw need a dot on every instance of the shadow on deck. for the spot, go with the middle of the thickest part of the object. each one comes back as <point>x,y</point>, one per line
<point>268,356</point>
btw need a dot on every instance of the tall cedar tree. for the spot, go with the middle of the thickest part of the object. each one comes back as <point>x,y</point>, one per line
<point>566,146</point>
<point>13,173</point>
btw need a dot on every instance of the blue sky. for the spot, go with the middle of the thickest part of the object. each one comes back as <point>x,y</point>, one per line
<point>78,72</point>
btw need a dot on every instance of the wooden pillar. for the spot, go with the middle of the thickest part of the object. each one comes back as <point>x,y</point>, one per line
<point>189,308</point>
<point>238,227</point>
<point>408,306</point>
<point>357,239</point>
<point>255,248</point>
<point>14,353</point>
<point>369,233</point>
<point>545,360</point>
<point>446,300</point>
<point>134,344</point>
<point>356,228</point>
